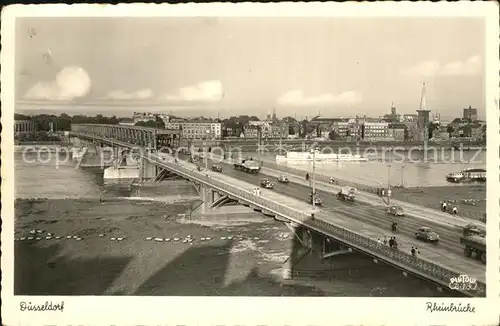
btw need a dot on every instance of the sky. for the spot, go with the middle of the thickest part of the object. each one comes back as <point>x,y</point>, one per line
<point>207,65</point>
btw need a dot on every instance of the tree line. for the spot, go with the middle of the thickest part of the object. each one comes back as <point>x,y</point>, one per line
<point>63,121</point>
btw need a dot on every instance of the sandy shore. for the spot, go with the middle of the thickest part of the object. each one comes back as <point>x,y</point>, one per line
<point>431,197</point>
<point>243,256</point>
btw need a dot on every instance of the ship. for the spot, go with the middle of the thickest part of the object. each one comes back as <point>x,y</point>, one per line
<point>318,157</point>
<point>467,175</point>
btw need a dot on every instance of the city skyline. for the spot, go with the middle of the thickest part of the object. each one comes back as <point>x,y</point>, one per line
<point>229,66</point>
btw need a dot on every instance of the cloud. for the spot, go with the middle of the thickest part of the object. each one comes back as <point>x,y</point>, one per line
<point>471,66</point>
<point>70,83</point>
<point>208,91</point>
<point>297,98</point>
<point>142,94</point>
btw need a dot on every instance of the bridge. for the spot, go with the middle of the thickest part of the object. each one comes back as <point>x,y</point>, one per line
<point>313,228</point>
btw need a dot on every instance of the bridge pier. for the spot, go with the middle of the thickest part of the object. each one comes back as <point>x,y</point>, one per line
<point>215,203</point>
<point>311,246</point>
<point>91,154</point>
<point>148,171</point>
<point>124,168</point>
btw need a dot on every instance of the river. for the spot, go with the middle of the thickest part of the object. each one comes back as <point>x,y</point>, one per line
<point>415,170</point>
<point>55,178</point>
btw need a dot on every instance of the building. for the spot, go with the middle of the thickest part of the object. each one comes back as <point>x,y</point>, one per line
<point>409,118</point>
<point>422,125</point>
<point>375,130</point>
<point>143,116</point>
<point>470,114</point>
<point>341,128</point>
<point>194,129</point>
<point>230,131</point>
<point>24,126</point>
<point>251,131</point>
<point>278,130</point>
<point>397,131</point>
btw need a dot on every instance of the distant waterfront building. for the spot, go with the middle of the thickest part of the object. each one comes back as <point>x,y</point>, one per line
<point>275,130</point>
<point>251,131</point>
<point>397,131</point>
<point>342,128</point>
<point>470,114</point>
<point>410,117</point>
<point>143,116</point>
<point>194,129</point>
<point>412,128</point>
<point>375,130</point>
<point>24,126</point>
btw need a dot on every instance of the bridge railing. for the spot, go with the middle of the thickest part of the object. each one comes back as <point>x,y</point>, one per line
<point>418,265</point>
<point>433,271</point>
<point>231,189</point>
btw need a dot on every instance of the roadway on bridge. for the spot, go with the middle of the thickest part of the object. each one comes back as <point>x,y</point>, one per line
<point>376,216</point>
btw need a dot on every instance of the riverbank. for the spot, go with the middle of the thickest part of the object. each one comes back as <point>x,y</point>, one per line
<point>115,249</point>
<point>471,199</point>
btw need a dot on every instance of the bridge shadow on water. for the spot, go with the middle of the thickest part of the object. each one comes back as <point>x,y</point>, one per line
<point>199,271</point>
<point>207,270</point>
<point>203,271</point>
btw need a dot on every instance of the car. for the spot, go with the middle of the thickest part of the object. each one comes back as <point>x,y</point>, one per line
<point>426,234</point>
<point>396,211</point>
<point>283,179</point>
<point>317,199</point>
<point>264,183</point>
<point>216,168</point>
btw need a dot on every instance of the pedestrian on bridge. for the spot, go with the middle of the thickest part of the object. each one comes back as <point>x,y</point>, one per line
<point>443,206</point>
<point>391,242</point>
<point>379,241</point>
<point>395,244</point>
<point>385,240</point>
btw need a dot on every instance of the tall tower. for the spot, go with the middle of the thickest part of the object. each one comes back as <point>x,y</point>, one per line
<point>423,118</point>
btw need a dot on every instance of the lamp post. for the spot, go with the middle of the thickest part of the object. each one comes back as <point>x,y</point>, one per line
<point>402,175</point>
<point>388,184</point>
<point>314,178</point>
<point>206,151</point>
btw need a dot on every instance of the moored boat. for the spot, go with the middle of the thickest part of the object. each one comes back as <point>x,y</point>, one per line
<point>467,175</point>
<point>318,157</point>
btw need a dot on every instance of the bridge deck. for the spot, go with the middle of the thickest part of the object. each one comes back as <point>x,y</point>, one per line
<point>269,194</point>
<point>430,252</point>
